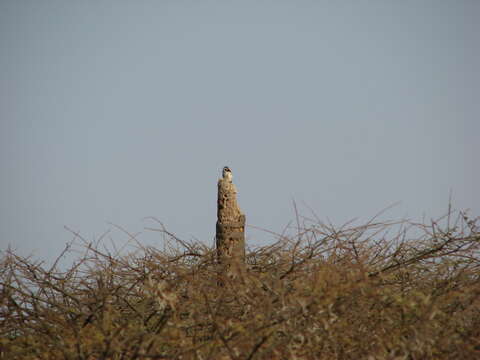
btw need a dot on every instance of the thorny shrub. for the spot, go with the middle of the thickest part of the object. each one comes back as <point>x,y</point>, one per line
<point>323,292</point>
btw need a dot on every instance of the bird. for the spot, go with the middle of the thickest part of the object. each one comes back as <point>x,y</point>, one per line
<point>227,174</point>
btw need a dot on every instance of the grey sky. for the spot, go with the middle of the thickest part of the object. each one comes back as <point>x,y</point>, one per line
<point>111,111</point>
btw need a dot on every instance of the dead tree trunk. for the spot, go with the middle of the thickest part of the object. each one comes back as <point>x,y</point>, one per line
<point>230,237</point>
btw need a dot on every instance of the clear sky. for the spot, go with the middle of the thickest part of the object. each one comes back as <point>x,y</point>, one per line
<point>112,111</point>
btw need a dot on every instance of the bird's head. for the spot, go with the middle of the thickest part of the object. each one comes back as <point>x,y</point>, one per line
<point>227,173</point>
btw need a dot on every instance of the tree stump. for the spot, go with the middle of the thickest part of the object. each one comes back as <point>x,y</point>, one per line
<point>230,236</point>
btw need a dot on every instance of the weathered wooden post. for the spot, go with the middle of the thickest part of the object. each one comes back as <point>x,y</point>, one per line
<point>230,236</point>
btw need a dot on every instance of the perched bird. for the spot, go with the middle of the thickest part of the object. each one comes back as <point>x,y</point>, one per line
<point>227,174</point>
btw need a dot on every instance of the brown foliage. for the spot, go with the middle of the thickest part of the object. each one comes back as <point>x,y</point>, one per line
<point>322,293</point>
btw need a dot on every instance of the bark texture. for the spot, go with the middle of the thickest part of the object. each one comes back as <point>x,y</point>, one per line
<point>230,236</point>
